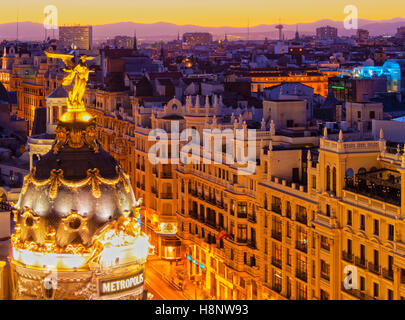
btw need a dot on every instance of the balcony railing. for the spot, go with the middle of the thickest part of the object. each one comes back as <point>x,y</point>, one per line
<point>301,246</point>
<point>242,215</point>
<point>276,208</point>
<point>276,287</point>
<point>276,262</point>
<point>301,275</point>
<point>276,235</point>
<point>325,246</point>
<point>347,256</point>
<point>357,294</point>
<point>374,268</point>
<point>193,214</point>
<point>362,263</point>
<point>220,204</point>
<point>252,244</point>
<point>388,274</point>
<point>240,240</point>
<point>252,218</point>
<point>211,224</point>
<point>166,195</point>
<point>302,219</point>
<point>325,276</point>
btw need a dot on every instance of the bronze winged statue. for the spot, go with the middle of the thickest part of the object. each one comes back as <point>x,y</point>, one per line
<point>77,72</point>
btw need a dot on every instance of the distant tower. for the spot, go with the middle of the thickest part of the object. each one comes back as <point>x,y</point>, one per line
<point>226,38</point>
<point>297,35</point>
<point>248,31</point>
<point>135,42</point>
<point>18,17</point>
<point>280,31</point>
<point>178,36</point>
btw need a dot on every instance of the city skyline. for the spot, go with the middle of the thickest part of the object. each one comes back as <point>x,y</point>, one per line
<point>207,13</point>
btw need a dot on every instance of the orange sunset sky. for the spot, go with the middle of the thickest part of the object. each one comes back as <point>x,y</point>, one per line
<point>234,13</point>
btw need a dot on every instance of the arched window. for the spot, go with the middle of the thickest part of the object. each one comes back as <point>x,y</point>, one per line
<point>362,171</point>
<point>349,177</point>
<point>334,180</point>
<point>327,178</point>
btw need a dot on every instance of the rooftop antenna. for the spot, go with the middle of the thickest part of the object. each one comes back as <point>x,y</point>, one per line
<point>280,31</point>
<point>18,12</point>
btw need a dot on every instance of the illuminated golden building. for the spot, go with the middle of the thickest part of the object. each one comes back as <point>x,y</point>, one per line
<point>77,233</point>
<point>265,78</point>
<point>123,129</point>
<point>313,206</point>
<point>31,83</point>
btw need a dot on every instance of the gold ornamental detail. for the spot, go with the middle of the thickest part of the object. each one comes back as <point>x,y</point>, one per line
<point>75,138</point>
<point>94,179</point>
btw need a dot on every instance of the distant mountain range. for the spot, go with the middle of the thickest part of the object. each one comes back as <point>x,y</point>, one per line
<point>168,31</point>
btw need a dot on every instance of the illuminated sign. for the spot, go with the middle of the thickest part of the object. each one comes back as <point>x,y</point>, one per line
<point>168,228</point>
<point>114,286</point>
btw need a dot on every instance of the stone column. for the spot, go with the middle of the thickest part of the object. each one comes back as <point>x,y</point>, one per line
<point>3,287</point>
<point>397,282</point>
<point>51,114</point>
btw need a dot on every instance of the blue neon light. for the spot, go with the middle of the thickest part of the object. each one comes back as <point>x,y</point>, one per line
<point>391,70</point>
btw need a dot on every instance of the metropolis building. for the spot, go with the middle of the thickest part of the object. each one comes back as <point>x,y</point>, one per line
<point>76,233</point>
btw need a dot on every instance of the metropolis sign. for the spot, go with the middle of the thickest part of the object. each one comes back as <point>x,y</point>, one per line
<point>120,285</point>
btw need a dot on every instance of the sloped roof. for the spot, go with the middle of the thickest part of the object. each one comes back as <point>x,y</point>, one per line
<point>4,94</point>
<point>39,126</point>
<point>59,92</point>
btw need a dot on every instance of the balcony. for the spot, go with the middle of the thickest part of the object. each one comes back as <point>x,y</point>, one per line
<point>325,246</point>
<point>388,274</point>
<point>276,208</point>
<point>325,276</point>
<point>302,246</point>
<point>212,224</point>
<point>242,215</point>
<point>302,219</point>
<point>276,235</point>
<point>193,214</point>
<point>211,200</point>
<point>347,256</point>
<point>166,175</point>
<point>357,294</point>
<point>241,240</point>
<point>301,275</point>
<point>276,287</point>
<point>359,262</point>
<point>252,218</point>
<point>276,262</point>
<point>166,196</point>
<point>383,185</point>
<point>252,244</point>
<point>374,268</point>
